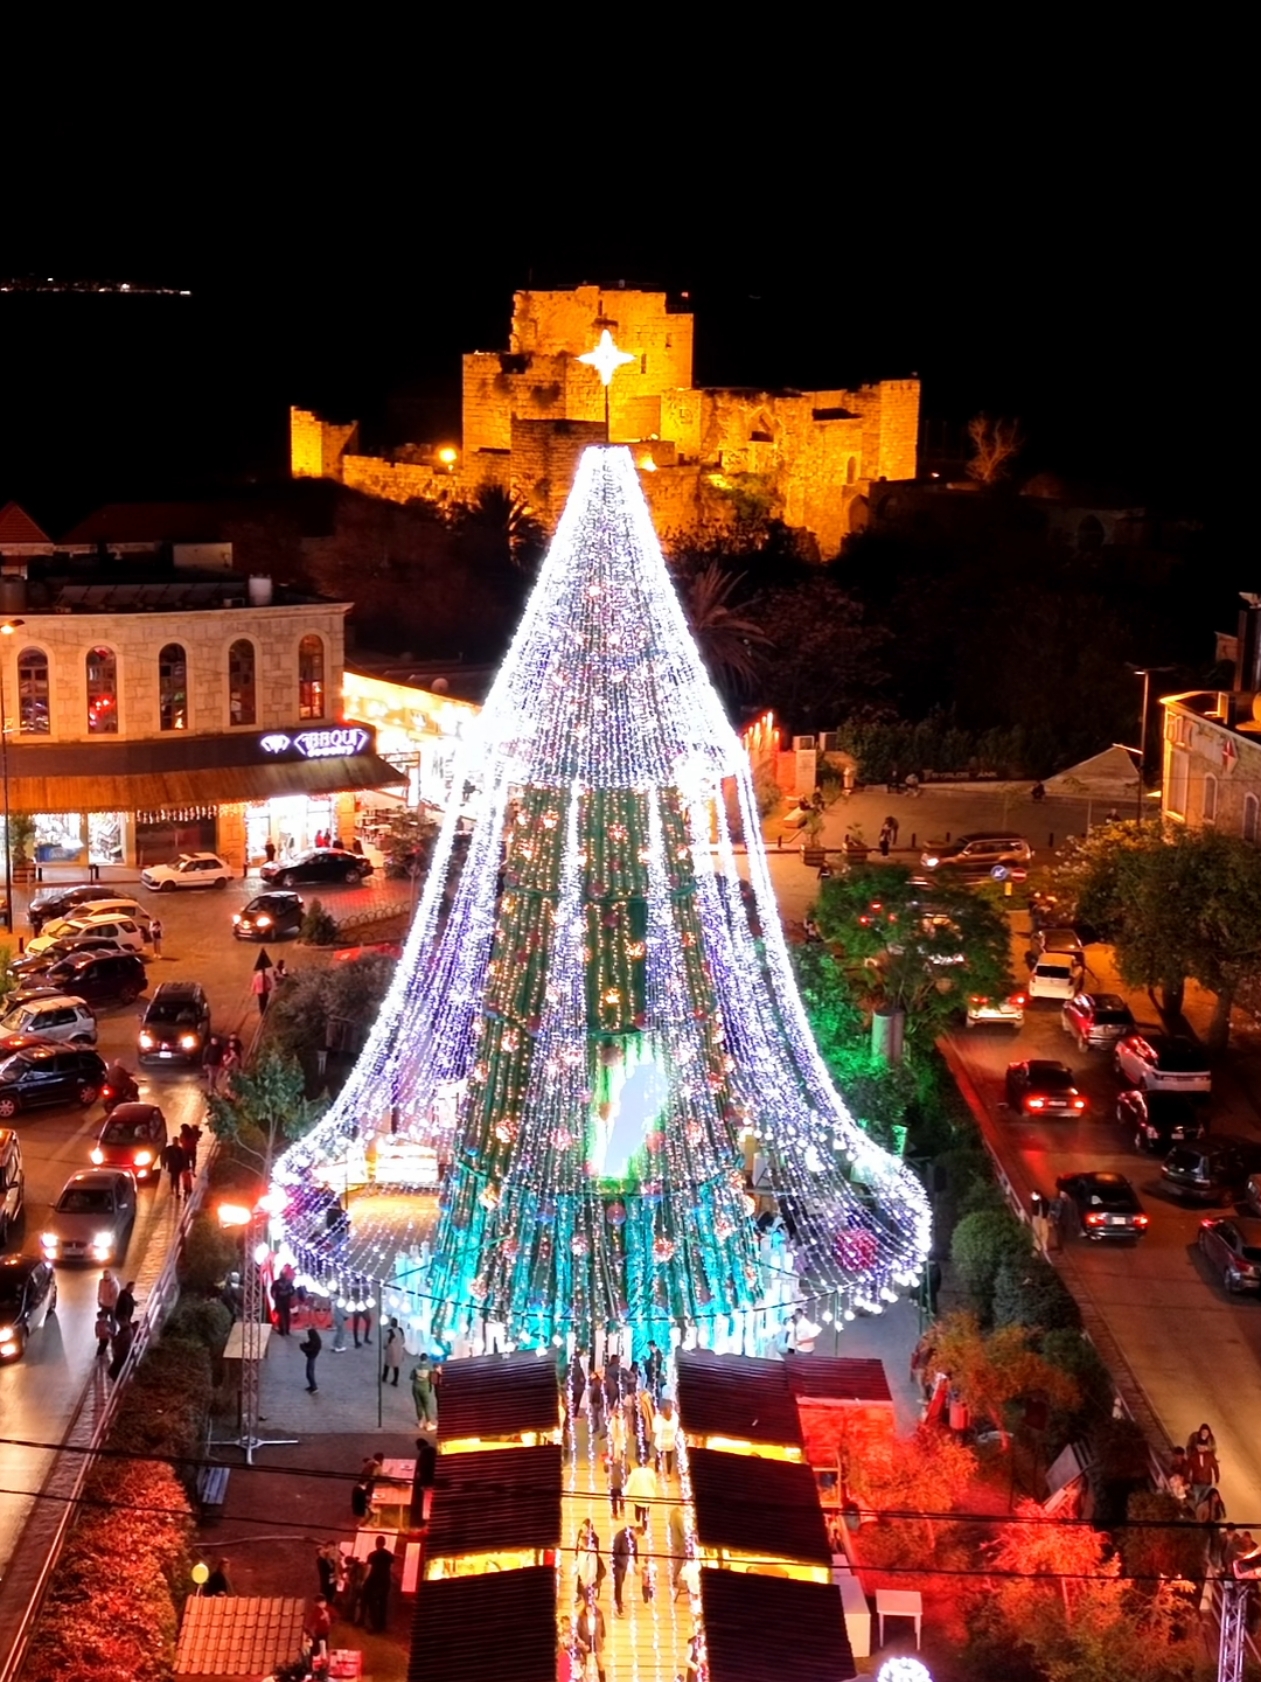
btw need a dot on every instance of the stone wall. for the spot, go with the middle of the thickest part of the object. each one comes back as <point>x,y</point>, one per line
<point>136,640</point>
<point>398,481</point>
<point>316,446</point>
<point>545,458</point>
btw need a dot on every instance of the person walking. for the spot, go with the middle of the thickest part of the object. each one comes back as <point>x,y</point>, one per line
<point>588,1565</point>
<point>261,986</point>
<point>352,1590</point>
<point>376,1587</point>
<point>665,1438</point>
<point>576,1382</point>
<point>338,1312</point>
<point>120,1348</point>
<point>310,1346</point>
<point>891,824</point>
<point>625,1552</point>
<point>423,1393</point>
<point>269,850</point>
<point>125,1307</point>
<point>589,1631</point>
<point>155,935</point>
<point>212,1062</point>
<point>176,1164</point>
<point>107,1295</point>
<point>217,1583</point>
<point>641,1489</point>
<point>676,1528</point>
<point>326,1563</point>
<point>282,1295</point>
<point>654,1370</point>
<point>886,839</point>
<point>104,1331</point>
<point>1203,1470</point>
<point>392,1354</point>
<point>617,1484</point>
<point>190,1138</point>
<point>361,1320</point>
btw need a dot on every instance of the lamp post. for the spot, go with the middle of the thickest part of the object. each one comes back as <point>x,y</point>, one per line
<point>1146,673</point>
<point>250,1222</point>
<point>7,629</point>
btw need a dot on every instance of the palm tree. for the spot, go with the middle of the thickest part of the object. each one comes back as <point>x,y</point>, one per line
<point>732,644</point>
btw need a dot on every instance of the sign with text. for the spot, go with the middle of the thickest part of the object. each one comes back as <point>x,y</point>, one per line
<point>336,741</point>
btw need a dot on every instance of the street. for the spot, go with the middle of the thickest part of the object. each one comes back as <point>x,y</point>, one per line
<point>39,1393</point>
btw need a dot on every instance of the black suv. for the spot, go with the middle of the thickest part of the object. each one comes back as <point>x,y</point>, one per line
<point>97,977</point>
<point>49,1074</point>
<point>268,916</point>
<point>321,864</point>
<point>176,1025</point>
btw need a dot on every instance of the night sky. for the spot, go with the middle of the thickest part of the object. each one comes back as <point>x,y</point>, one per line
<point>1068,276</point>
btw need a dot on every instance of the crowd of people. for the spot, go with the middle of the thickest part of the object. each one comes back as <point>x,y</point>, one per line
<point>631,1429</point>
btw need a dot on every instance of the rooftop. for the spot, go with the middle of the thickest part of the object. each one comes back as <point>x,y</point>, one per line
<point>1229,709</point>
<point>182,593</point>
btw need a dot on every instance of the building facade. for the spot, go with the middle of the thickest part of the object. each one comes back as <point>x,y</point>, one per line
<point>145,719</point>
<point>1212,761</point>
<point>529,411</point>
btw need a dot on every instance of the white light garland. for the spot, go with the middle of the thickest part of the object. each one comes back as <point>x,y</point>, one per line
<point>593,888</point>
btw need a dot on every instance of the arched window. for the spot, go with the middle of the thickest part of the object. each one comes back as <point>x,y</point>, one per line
<point>33,712</point>
<point>311,677</point>
<point>102,669</point>
<point>1250,817</point>
<point>173,687</point>
<point>241,705</point>
<point>1208,806</point>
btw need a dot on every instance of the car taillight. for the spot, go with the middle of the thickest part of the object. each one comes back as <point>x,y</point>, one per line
<point>98,1156</point>
<point>1094,1220</point>
<point>1140,1220</point>
<point>1079,1103</point>
<point>1035,1103</point>
<point>107,1092</point>
<point>1018,999</point>
<point>147,1041</point>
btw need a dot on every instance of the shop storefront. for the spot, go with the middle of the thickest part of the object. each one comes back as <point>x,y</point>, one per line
<point>144,802</point>
<point>417,730</point>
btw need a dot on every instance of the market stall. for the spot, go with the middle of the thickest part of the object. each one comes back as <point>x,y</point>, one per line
<point>764,1629</point>
<point>481,1629</point>
<point>760,1516</point>
<point>498,1401</point>
<point>738,1404</point>
<point>494,1510</point>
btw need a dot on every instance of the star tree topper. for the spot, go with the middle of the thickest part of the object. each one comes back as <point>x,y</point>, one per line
<point>606,358</point>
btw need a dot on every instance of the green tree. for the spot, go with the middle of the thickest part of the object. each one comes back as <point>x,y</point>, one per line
<point>983,1243</point>
<point>265,1108</point>
<point>732,642</point>
<point>827,655</point>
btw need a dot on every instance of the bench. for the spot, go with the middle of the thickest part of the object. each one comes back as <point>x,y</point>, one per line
<point>212,1486</point>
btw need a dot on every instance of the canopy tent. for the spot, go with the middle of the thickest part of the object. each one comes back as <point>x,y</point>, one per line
<point>1108,777</point>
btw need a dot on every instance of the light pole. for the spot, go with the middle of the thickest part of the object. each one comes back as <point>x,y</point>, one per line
<point>1146,673</point>
<point>7,629</point>
<point>251,1223</point>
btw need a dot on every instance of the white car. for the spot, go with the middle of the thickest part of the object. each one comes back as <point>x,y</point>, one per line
<point>62,1017</point>
<point>1162,1063</point>
<point>1055,975</point>
<point>190,870</point>
<point>1009,1011</point>
<point>125,931</point>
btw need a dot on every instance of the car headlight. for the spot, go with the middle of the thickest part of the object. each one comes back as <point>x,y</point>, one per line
<point>263,921</point>
<point>7,1333</point>
<point>102,1240</point>
<point>98,1156</point>
<point>189,1042</point>
<point>142,1159</point>
<point>932,860</point>
<point>236,916</point>
<point>49,1240</point>
<point>147,1041</point>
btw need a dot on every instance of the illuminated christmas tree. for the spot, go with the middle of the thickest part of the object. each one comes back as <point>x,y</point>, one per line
<point>599,1037</point>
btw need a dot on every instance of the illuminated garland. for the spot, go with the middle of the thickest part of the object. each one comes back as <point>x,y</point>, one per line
<point>591,1031</point>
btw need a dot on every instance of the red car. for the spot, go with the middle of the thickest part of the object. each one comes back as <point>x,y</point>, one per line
<point>134,1137</point>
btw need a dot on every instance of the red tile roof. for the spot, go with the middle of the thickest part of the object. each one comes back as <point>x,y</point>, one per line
<point>17,527</point>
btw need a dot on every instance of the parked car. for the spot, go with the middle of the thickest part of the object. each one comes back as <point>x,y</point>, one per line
<point>49,1074</point>
<point>64,947</point>
<point>1055,975</point>
<point>62,900</point>
<point>93,1217</point>
<point>28,1295</point>
<point>976,854</point>
<point>62,1018</point>
<point>133,1136</point>
<point>1106,1205</point>
<point>1096,1020</point>
<point>268,916</point>
<point>1158,1120</point>
<point>1059,939</point>
<point>12,1183</point>
<point>1210,1170</point>
<point>189,870</point>
<point>1008,1012</point>
<point>176,1024</point>
<point>1232,1247</point>
<point>96,977</point>
<point>321,864</point>
<point>123,931</point>
<point>1162,1062</point>
<point>1043,1087</point>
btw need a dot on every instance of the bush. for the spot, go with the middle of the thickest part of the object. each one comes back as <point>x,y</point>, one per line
<point>1073,1352</point>
<point>1029,1292</point>
<point>981,1244</point>
<point>1150,1550</point>
<point>319,926</point>
<point>200,1320</point>
<point>209,1254</point>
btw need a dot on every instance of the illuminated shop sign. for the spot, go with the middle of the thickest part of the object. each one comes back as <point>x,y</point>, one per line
<point>340,742</point>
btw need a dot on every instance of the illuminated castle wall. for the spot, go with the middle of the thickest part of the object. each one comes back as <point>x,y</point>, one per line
<point>530,411</point>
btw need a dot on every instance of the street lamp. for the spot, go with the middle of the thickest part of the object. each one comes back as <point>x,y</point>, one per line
<point>250,1221</point>
<point>7,629</point>
<point>1146,673</point>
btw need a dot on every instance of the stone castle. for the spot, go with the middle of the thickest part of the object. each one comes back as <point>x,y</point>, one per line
<point>809,457</point>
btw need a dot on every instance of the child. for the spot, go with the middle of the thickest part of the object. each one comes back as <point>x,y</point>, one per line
<point>104,1331</point>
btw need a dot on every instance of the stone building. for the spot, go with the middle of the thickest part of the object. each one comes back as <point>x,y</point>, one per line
<point>189,713</point>
<point>529,411</point>
<point>1212,742</point>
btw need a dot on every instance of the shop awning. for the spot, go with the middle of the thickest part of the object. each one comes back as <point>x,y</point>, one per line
<point>498,1396</point>
<point>736,1396</point>
<point>131,791</point>
<point>495,1500</point>
<point>846,1379</point>
<point>483,1629</point>
<point>762,1508</point>
<point>762,1629</point>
